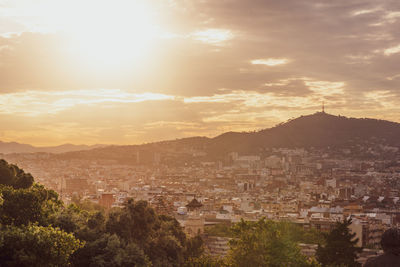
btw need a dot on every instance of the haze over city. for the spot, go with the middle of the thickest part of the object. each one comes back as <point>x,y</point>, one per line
<point>128,72</point>
<point>225,133</point>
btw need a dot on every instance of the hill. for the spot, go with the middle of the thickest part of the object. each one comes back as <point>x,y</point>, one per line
<point>14,147</point>
<point>318,130</point>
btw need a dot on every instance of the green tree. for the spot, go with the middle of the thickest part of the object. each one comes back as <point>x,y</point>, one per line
<point>167,243</point>
<point>110,250</point>
<point>205,260</point>
<point>298,234</point>
<point>264,243</point>
<point>194,247</point>
<point>22,201</point>
<point>132,235</point>
<point>31,217</point>
<point>136,222</point>
<point>340,247</point>
<point>36,246</point>
<point>24,206</point>
<point>161,237</point>
<point>222,230</point>
<point>72,219</point>
<point>101,248</point>
<point>13,176</point>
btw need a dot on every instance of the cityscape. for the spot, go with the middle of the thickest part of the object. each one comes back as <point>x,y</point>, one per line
<point>199,133</point>
<point>313,187</point>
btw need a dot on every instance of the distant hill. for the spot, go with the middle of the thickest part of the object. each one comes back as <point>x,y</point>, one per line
<point>317,130</point>
<point>13,147</point>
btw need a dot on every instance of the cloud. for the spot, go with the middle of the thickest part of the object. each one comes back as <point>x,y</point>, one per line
<point>104,116</point>
<point>365,11</point>
<point>270,61</point>
<point>392,50</point>
<point>213,36</point>
<point>325,88</point>
<point>288,87</point>
<point>35,103</point>
<point>217,66</point>
<point>326,41</point>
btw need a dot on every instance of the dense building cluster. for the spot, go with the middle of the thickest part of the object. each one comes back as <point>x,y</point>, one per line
<point>311,187</point>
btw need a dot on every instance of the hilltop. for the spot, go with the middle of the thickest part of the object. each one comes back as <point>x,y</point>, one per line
<point>318,130</point>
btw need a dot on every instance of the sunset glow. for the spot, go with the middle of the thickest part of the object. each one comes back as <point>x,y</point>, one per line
<point>136,71</point>
<point>112,33</point>
<point>199,133</point>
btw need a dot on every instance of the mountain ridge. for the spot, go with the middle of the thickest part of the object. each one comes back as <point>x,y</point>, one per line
<point>15,147</point>
<point>315,130</point>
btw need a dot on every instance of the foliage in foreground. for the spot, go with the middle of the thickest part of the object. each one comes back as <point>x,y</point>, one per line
<point>264,243</point>
<point>295,232</point>
<point>38,230</point>
<point>13,176</point>
<point>340,247</point>
<point>36,246</point>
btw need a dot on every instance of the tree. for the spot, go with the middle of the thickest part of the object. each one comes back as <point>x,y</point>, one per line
<point>101,248</point>
<point>136,221</point>
<point>205,260</point>
<point>30,205</point>
<point>159,236</point>
<point>194,247</point>
<point>130,236</point>
<point>263,243</point>
<point>222,230</point>
<point>26,211</point>
<point>23,201</point>
<point>340,247</point>
<point>13,176</point>
<point>110,250</point>
<point>298,234</point>
<point>167,244</point>
<point>36,229</point>
<point>36,246</point>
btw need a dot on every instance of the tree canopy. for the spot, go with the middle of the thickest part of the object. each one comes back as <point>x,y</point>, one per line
<point>36,246</point>
<point>340,247</point>
<point>28,205</point>
<point>13,176</point>
<point>27,210</point>
<point>37,227</point>
<point>264,243</point>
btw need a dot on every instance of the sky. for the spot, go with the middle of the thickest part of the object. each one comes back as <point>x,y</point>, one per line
<point>135,71</point>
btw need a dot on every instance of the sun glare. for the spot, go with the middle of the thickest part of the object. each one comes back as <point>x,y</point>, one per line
<point>107,33</point>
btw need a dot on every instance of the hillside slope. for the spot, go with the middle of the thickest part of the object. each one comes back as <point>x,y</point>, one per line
<point>316,130</point>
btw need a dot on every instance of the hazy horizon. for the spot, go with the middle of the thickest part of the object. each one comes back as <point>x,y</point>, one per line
<point>131,72</point>
<point>194,136</point>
